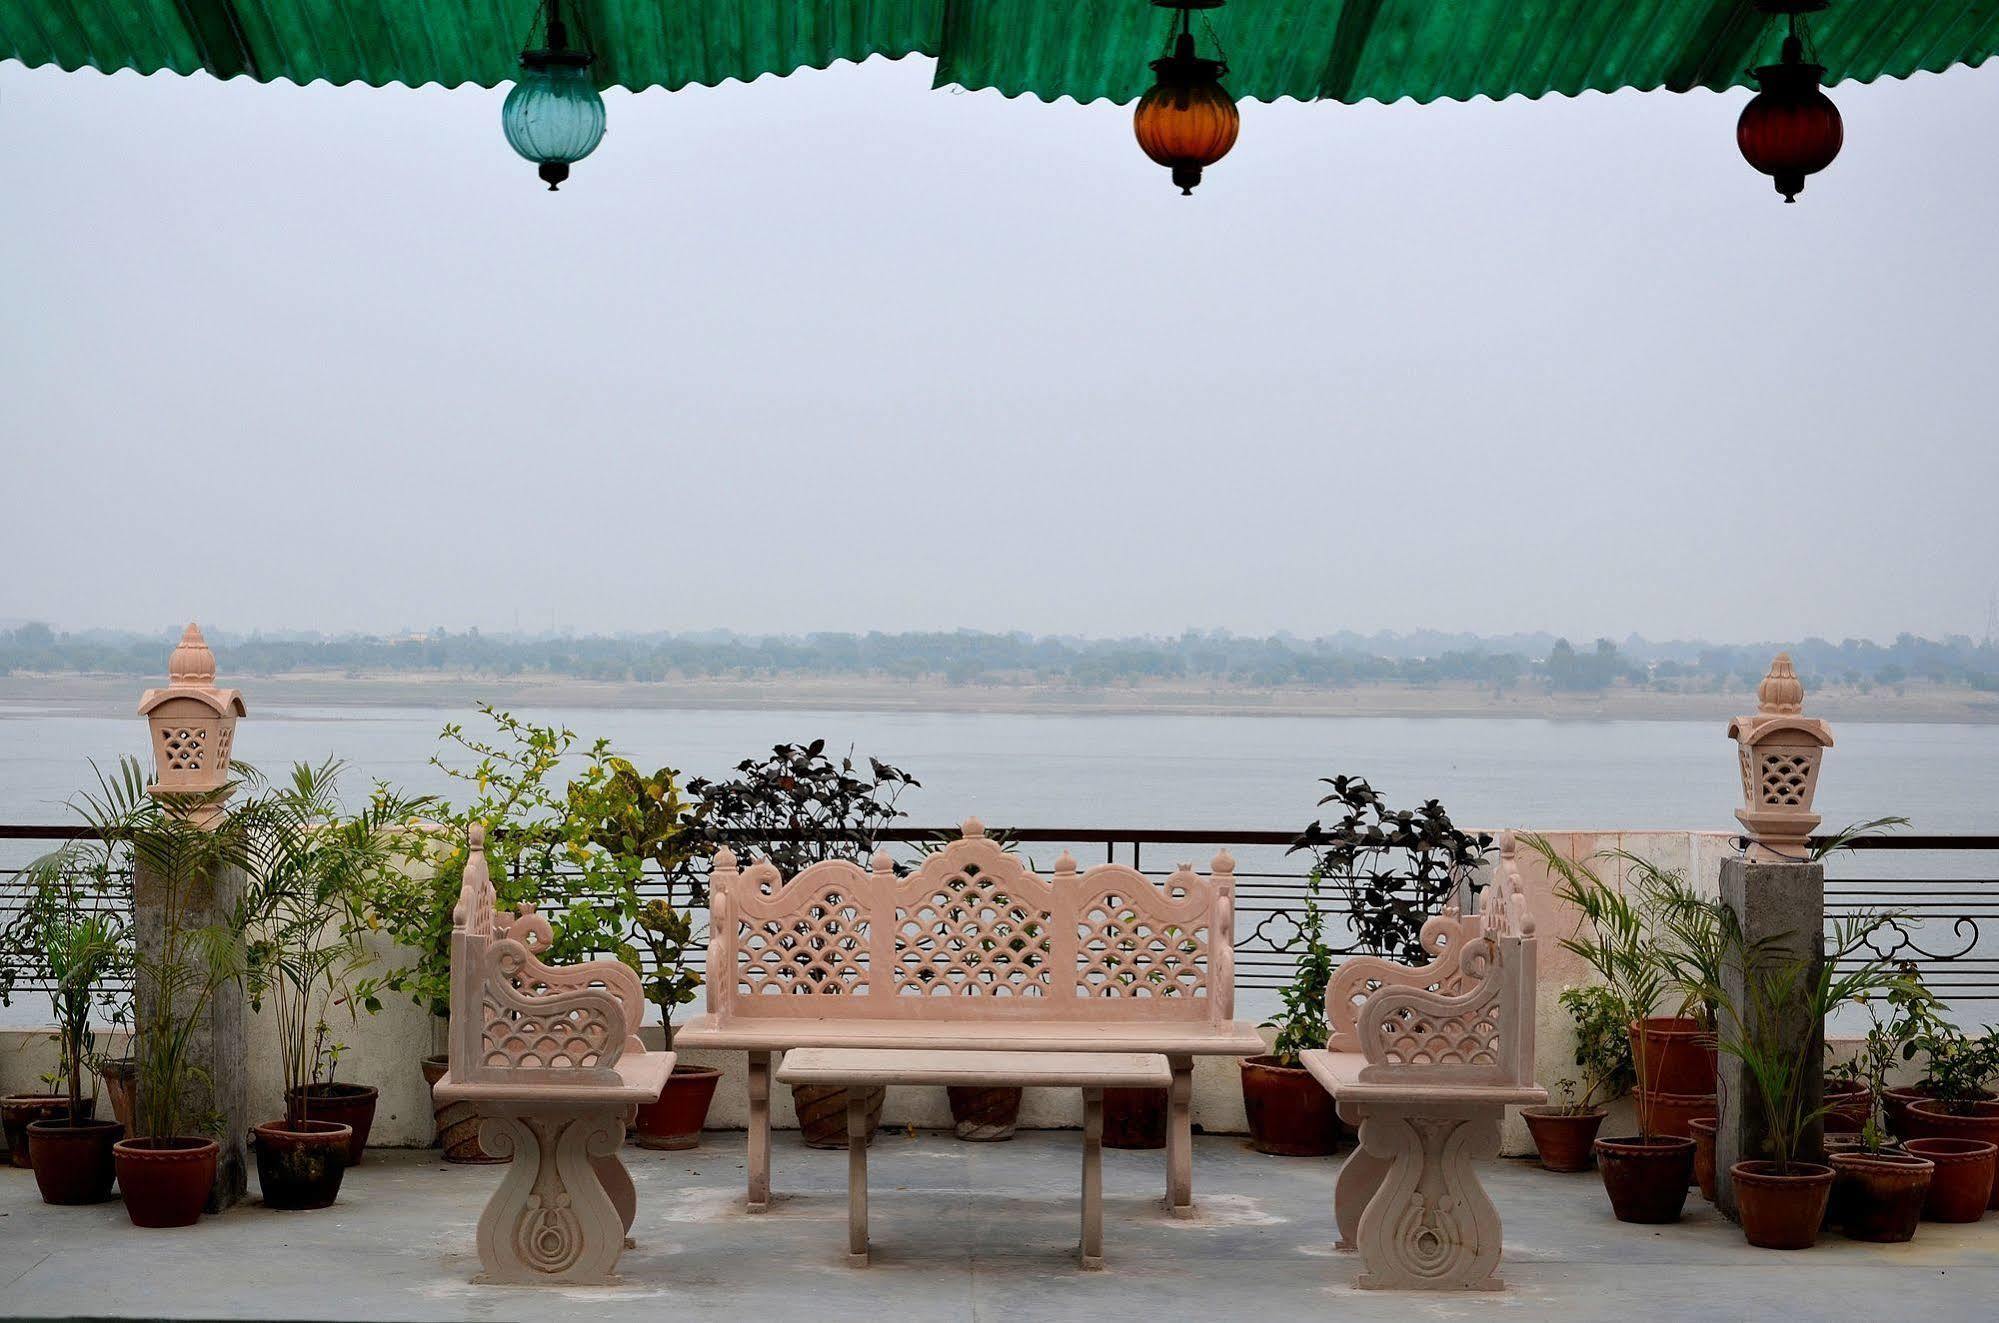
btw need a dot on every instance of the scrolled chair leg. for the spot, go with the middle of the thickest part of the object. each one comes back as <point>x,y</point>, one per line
<point>553,1220</point>
<point>1428,1224</point>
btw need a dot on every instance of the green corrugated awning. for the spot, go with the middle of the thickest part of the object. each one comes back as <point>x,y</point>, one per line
<point>1340,50</point>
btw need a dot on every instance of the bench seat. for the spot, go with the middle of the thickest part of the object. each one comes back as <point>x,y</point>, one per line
<point>641,1079</point>
<point>972,950</point>
<point>1092,1072</point>
<point>1339,1074</point>
<point>1234,1039</point>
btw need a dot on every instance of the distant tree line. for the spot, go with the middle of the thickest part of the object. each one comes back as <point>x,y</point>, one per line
<point>968,657</point>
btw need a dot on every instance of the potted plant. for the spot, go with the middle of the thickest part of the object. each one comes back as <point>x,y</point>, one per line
<point>630,819</point>
<point>1960,1105</point>
<point>511,778</point>
<point>312,862</point>
<point>166,1167</point>
<point>1879,1191</point>
<point>1782,1197</point>
<point>796,807</point>
<point>57,933</point>
<point>82,948</point>
<point>1290,1113</point>
<point>1646,1175</point>
<point>1565,1132</point>
<point>1691,936</point>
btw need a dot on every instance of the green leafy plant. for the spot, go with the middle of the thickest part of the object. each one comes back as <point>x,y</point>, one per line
<point>1396,868</point>
<point>74,924</point>
<point>313,866</point>
<point>1303,1026</point>
<point>1759,1028</point>
<point>1958,1067</point>
<point>635,818</point>
<point>1911,1015</point>
<point>588,895</point>
<point>1603,1048</point>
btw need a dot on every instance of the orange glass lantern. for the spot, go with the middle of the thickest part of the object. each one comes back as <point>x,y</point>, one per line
<point>1187,121</point>
<point>1790,129</point>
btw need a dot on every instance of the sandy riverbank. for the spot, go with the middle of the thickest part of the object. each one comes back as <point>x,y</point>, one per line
<point>107,693</point>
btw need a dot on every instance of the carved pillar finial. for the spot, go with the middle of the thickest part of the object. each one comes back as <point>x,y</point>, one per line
<point>193,727</point>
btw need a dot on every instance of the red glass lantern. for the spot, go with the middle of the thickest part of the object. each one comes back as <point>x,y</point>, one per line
<point>1187,121</point>
<point>1790,128</point>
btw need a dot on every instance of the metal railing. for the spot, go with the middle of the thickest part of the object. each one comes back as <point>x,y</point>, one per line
<point>1946,888</point>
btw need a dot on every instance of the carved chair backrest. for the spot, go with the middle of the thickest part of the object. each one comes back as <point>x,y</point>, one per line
<point>517,1021</point>
<point>972,933</point>
<point>1468,1015</point>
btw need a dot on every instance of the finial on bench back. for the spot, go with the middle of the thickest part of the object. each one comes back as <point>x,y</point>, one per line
<point>972,829</point>
<point>1066,865</point>
<point>474,911</point>
<point>725,861</point>
<point>884,865</point>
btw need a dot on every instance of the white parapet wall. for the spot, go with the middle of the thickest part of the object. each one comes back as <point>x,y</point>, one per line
<point>386,1049</point>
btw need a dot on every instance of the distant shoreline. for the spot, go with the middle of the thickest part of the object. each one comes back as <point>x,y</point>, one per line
<point>1906,703</point>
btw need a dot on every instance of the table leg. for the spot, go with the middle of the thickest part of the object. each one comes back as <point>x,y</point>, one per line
<point>551,1219</point>
<point>1180,1138</point>
<point>1429,1225</point>
<point>1093,1178</point>
<point>857,1178</point>
<point>759,1135</point>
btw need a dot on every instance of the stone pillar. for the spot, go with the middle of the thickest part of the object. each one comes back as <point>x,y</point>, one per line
<point>1778,896</point>
<point>1784,905</point>
<point>216,1047</point>
<point>193,730</point>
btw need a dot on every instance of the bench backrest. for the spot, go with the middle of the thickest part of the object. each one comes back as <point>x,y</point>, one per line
<point>517,1021</point>
<point>972,933</point>
<point>1468,1015</point>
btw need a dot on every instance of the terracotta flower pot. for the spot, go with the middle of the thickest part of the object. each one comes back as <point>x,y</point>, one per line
<point>121,1082</point>
<point>1564,1139</point>
<point>165,1182</point>
<point>1880,1195</point>
<point>1964,1179</point>
<point>1847,1105</point>
<point>351,1105</point>
<point>1673,1055</point>
<point>1895,1104</point>
<point>73,1163</point>
<point>1646,1179</point>
<point>302,1168</point>
<point>1839,1145</point>
<point>1290,1114</point>
<point>983,1115</point>
<point>1781,1210</point>
<point>675,1121</point>
<point>457,1122</point>
<point>1134,1118</point>
<point>19,1111</point>
<point>1702,1129</point>
<point>1671,1113</point>
<point>822,1113</point>
<point>1937,1121</point>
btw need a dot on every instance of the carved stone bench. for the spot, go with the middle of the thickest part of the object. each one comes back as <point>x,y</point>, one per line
<point>551,1059</point>
<point>972,951</point>
<point>1425,1062</point>
<point>1092,1072</point>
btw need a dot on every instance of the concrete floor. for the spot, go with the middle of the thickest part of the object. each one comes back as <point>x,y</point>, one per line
<point>960,1231</point>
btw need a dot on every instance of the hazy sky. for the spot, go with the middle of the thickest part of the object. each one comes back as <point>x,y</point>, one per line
<point>837,351</point>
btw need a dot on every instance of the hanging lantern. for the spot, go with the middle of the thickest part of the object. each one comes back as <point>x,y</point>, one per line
<point>1187,120</point>
<point>554,116</point>
<point>1790,128</point>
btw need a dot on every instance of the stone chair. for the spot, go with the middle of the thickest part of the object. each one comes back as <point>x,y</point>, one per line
<point>550,1057</point>
<point>1425,1062</point>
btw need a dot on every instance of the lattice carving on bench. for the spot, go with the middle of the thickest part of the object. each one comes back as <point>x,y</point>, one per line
<point>1405,1026</point>
<point>1125,949</point>
<point>970,933</point>
<point>819,948</point>
<point>557,1028</point>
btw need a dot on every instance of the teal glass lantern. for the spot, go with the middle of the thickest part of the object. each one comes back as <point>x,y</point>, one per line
<point>554,116</point>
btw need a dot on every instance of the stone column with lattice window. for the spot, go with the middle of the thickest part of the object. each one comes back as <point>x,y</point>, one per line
<point>193,732</point>
<point>1777,891</point>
